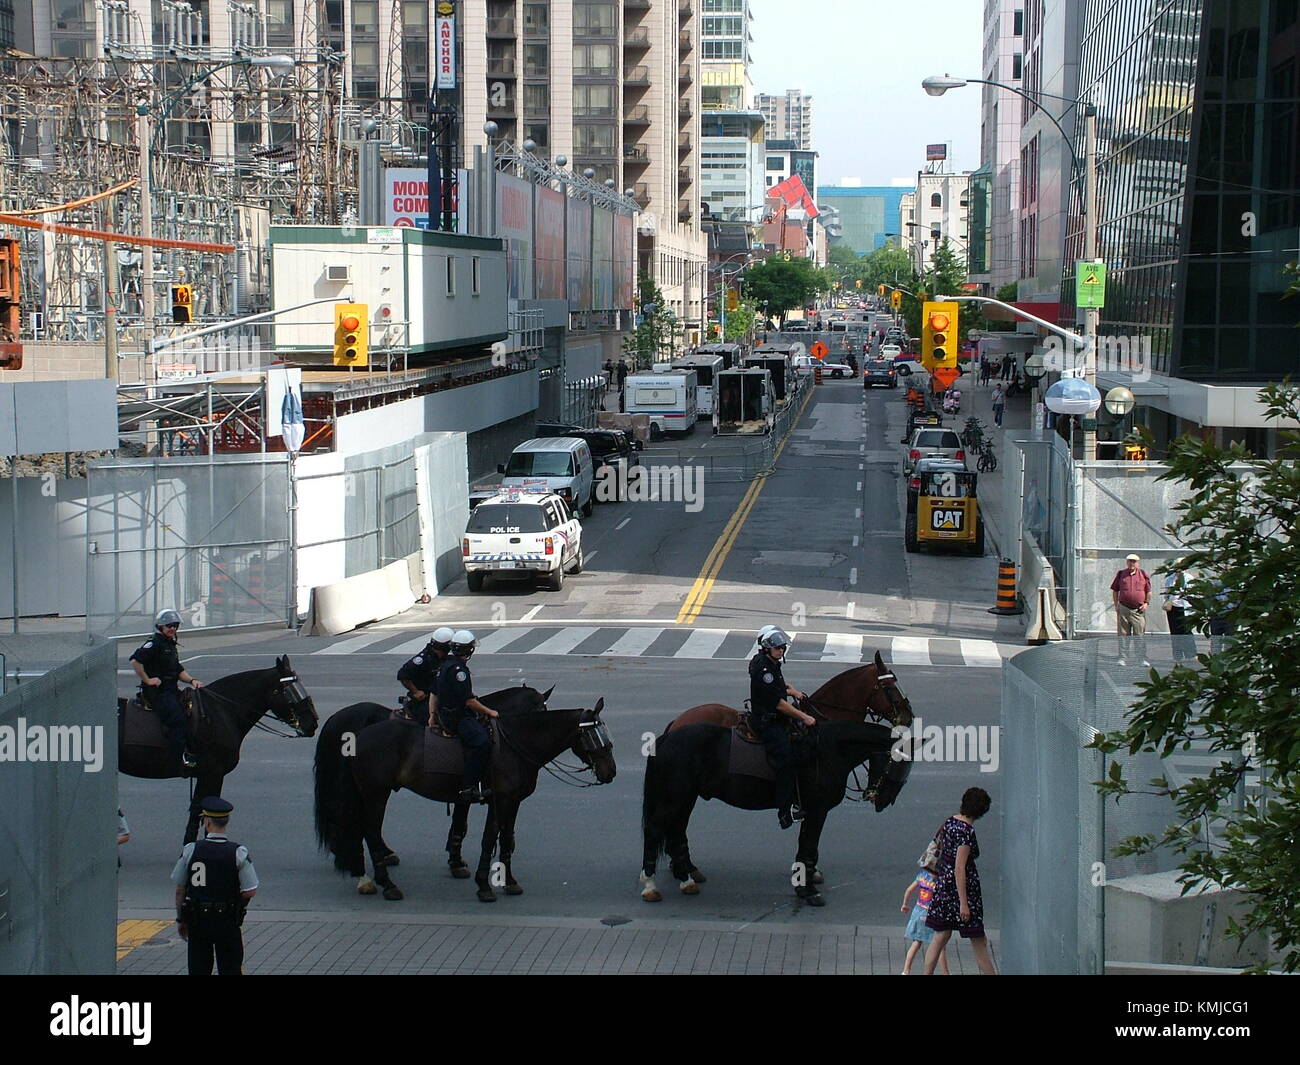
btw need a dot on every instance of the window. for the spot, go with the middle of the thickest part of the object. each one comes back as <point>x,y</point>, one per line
<point>365,16</point>
<point>365,55</point>
<point>279,12</point>
<point>593,100</point>
<point>475,276</point>
<point>776,162</point>
<point>540,134</point>
<point>415,14</point>
<point>1018,24</point>
<point>537,100</point>
<point>724,27</point>
<point>593,60</point>
<point>537,19</point>
<point>451,275</point>
<point>724,49</point>
<point>590,138</point>
<point>536,58</point>
<point>593,20</point>
<point>1017,66</point>
<point>936,200</point>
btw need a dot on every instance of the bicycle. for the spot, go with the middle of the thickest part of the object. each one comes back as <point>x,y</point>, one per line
<point>972,435</point>
<point>987,460</point>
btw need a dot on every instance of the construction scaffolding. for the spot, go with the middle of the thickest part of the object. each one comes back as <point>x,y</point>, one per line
<point>218,145</point>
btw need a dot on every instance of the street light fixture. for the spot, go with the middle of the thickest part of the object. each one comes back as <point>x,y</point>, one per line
<point>1119,401</point>
<point>1072,395</point>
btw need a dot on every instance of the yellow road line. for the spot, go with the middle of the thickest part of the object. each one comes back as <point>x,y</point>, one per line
<point>132,934</point>
<point>703,585</point>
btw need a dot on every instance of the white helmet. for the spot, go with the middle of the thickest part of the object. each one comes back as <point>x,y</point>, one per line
<point>763,632</point>
<point>166,617</point>
<point>774,639</point>
<point>442,637</point>
<point>462,642</point>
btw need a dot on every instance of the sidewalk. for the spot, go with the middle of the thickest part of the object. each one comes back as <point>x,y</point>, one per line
<point>387,941</point>
<point>976,401</point>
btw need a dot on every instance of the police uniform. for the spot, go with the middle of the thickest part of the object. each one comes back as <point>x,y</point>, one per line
<point>422,672</point>
<point>213,872</point>
<point>160,658</point>
<point>766,689</point>
<point>455,688</point>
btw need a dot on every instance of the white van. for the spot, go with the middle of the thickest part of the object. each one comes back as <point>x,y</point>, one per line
<point>705,365</point>
<point>559,464</point>
<point>670,399</point>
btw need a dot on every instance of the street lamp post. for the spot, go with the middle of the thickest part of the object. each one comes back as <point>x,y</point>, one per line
<point>937,85</point>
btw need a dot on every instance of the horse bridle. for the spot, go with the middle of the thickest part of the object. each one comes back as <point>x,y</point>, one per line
<point>593,738</point>
<point>295,694</point>
<point>897,700</point>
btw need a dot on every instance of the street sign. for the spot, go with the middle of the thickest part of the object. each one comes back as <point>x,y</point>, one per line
<point>1090,284</point>
<point>819,350</point>
<point>944,376</point>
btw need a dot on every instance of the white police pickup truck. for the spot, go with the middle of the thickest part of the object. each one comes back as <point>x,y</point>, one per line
<point>521,534</point>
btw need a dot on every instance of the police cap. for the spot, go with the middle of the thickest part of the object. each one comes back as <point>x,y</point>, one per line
<point>215,806</point>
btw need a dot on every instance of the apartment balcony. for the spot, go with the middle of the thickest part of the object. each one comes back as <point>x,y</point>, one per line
<point>637,76</point>
<point>635,155</point>
<point>593,72</point>
<point>501,66</point>
<point>641,192</point>
<point>685,10</point>
<point>684,109</point>
<point>593,111</point>
<point>636,5</point>
<point>636,39</point>
<point>636,116</point>
<point>501,112</point>
<point>684,75</point>
<point>684,210</point>
<point>685,175</point>
<point>685,41</point>
<point>501,27</point>
<point>683,143</point>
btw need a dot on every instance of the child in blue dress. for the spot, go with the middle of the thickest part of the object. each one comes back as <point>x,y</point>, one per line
<point>918,932</point>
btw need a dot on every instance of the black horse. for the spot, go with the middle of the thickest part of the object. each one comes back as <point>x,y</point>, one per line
<point>341,729</point>
<point>352,789</point>
<point>224,712</point>
<point>693,762</point>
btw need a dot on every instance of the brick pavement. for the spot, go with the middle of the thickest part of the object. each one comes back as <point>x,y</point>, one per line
<point>289,942</point>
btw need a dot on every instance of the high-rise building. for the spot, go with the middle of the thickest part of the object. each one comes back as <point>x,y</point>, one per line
<point>8,29</point>
<point>939,211</point>
<point>868,214</point>
<point>788,117</point>
<point>724,65</point>
<point>1199,172</point>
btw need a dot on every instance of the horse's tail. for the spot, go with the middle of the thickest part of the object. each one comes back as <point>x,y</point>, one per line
<point>337,800</point>
<point>652,814</point>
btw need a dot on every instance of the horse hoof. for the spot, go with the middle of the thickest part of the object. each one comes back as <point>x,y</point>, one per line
<point>393,893</point>
<point>651,895</point>
<point>367,887</point>
<point>810,897</point>
<point>487,895</point>
<point>698,877</point>
<point>690,887</point>
<point>817,877</point>
<point>390,858</point>
<point>514,889</point>
<point>460,872</point>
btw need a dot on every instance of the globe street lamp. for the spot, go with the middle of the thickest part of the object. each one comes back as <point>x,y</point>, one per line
<point>1119,401</point>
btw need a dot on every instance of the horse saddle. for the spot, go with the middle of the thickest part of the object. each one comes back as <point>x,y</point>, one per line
<point>140,726</point>
<point>443,754</point>
<point>747,756</point>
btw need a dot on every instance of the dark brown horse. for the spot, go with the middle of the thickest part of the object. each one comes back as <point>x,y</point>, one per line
<point>854,695</point>
<point>352,790</point>
<point>224,712</point>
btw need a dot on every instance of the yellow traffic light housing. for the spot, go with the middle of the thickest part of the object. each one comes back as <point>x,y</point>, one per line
<point>939,336</point>
<point>182,304</point>
<point>880,290</point>
<point>858,282</point>
<point>896,299</point>
<point>351,334</point>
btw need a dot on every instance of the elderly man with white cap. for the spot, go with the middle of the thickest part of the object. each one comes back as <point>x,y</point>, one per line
<point>1131,593</point>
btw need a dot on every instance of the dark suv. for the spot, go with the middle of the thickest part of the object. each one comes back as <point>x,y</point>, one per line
<point>879,372</point>
<point>609,447</point>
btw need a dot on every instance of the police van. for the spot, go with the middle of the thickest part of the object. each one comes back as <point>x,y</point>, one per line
<point>523,535</point>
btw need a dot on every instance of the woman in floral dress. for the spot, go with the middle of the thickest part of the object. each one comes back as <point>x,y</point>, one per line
<point>958,905</point>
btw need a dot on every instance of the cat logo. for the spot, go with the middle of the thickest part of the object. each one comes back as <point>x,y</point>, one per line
<point>944,520</point>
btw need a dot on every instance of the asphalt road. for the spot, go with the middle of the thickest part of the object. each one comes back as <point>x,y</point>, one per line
<point>820,552</point>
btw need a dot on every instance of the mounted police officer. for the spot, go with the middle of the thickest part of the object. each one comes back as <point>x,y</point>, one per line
<point>419,675</point>
<point>214,880</point>
<point>460,712</point>
<point>770,707</point>
<point>157,663</point>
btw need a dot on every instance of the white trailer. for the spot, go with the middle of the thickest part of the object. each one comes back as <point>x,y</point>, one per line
<point>669,399</point>
<point>746,403</point>
<point>705,366</point>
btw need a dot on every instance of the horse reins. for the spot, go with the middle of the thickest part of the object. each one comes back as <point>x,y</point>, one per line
<point>202,693</point>
<point>568,775</point>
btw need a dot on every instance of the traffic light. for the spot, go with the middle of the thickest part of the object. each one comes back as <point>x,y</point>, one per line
<point>858,282</point>
<point>350,334</point>
<point>11,311</point>
<point>895,299</point>
<point>939,336</point>
<point>182,304</point>
<point>880,290</point>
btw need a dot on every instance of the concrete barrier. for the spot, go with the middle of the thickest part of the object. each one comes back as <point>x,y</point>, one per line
<point>373,596</point>
<point>1044,614</point>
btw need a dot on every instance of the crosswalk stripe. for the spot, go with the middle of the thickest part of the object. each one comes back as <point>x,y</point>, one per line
<point>980,653</point>
<point>634,642</point>
<point>564,641</point>
<point>702,643</point>
<point>909,651</point>
<point>358,643</point>
<point>842,647</point>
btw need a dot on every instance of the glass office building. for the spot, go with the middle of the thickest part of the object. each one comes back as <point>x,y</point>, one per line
<point>1198,181</point>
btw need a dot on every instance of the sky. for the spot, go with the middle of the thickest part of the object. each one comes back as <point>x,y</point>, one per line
<point>862,61</point>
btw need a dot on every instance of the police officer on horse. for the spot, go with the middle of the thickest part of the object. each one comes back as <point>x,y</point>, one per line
<point>461,713</point>
<point>157,663</point>
<point>770,710</point>
<point>214,880</point>
<point>419,675</point>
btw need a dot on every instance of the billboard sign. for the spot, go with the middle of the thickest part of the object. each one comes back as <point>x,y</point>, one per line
<point>444,45</point>
<point>936,152</point>
<point>515,227</point>
<point>406,198</point>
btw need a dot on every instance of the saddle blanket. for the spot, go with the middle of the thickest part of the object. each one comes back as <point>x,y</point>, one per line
<point>748,759</point>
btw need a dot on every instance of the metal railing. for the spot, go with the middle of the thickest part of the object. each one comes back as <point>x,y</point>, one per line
<point>639,113</point>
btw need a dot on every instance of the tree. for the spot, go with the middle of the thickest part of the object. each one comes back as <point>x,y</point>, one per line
<point>1241,527</point>
<point>655,339</point>
<point>740,322</point>
<point>779,285</point>
<point>842,255</point>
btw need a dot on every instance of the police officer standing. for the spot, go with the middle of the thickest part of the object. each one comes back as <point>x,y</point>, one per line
<point>214,880</point>
<point>769,707</point>
<point>419,675</point>
<point>157,663</point>
<point>460,713</point>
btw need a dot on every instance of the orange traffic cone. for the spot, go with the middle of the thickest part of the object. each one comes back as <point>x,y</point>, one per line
<point>1006,600</point>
